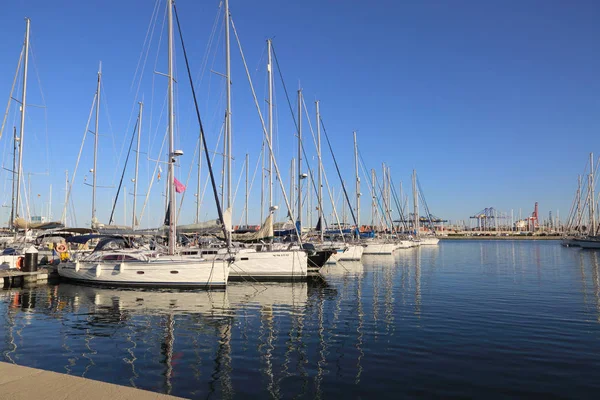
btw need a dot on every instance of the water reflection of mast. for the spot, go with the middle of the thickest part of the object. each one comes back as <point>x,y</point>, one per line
<point>167,350</point>
<point>418,282</point>
<point>596,283</point>
<point>359,338</point>
<point>267,320</point>
<point>11,323</point>
<point>322,344</point>
<point>583,279</point>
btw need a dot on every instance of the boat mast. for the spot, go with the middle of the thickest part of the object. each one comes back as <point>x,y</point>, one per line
<point>171,174</point>
<point>357,183</point>
<point>578,220</point>
<point>22,127</point>
<point>292,184</point>
<point>246,202</point>
<point>14,172</point>
<point>270,120</point>
<point>373,205</point>
<point>137,160</point>
<point>320,171</point>
<point>592,230</point>
<point>200,148</point>
<point>64,221</point>
<point>228,111</point>
<point>96,145</point>
<point>415,203</point>
<point>300,162</point>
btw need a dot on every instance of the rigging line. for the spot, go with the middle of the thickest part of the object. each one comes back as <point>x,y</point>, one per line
<point>112,213</point>
<point>296,124</point>
<point>12,89</point>
<point>258,160</point>
<point>209,45</point>
<point>217,145</point>
<point>268,140</point>
<point>160,37</point>
<point>37,74</point>
<point>319,155</point>
<point>87,126</point>
<point>400,208</point>
<point>187,181</point>
<point>149,32</point>
<point>202,135</point>
<point>372,190</point>
<point>340,176</point>
<point>104,99</point>
<point>422,195</point>
<point>152,180</point>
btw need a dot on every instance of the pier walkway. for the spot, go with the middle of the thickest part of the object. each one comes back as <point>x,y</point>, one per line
<point>24,383</point>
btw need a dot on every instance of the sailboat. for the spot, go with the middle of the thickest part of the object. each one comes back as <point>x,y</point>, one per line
<point>117,261</point>
<point>266,262</point>
<point>420,239</point>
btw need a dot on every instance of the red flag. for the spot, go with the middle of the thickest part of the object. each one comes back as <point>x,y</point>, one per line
<point>179,187</point>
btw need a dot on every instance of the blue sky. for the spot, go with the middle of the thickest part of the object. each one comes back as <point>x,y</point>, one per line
<point>494,103</point>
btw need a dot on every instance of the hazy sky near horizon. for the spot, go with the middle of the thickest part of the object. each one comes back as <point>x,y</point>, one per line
<point>493,103</point>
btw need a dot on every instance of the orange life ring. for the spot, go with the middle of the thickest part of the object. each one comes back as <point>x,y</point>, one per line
<point>61,248</point>
<point>19,263</point>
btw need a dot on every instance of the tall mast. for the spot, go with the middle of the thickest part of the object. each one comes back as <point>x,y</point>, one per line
<point>357,182</point>
<point>292,185</point>
<point>64,221</point>
<point>246,202</point>
<point>319,171</point>
<point>94,174</point>
<point>299,162</point>
<point>137,161</point>
<point>578,220</point>
<point>373,203</point>
<point>592,229</point>
<point>14,179</point>
<point>198,184</point>
<point>270,121</point>
<point>171,174</point>
<point>415,203</point>
<point>22,127</point>
<point>228,111</point>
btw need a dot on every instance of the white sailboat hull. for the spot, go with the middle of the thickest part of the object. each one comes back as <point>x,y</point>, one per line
<point>379,248</point>
<point>271,265</point>
<point>428,241</point>
<point>349,253</point>
<point>404,244</point>
<point>164,272</point>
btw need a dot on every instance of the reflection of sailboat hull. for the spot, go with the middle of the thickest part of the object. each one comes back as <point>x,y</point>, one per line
<point>343,268</point>
<point>147,302</point>
<point>284,294</point>
<point>165,272</point>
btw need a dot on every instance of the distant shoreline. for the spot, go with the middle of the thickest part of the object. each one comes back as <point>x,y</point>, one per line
<point>511,237</point>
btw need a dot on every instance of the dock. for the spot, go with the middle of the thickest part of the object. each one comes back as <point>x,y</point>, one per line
<point>15,277</point>
<point>24,383</point>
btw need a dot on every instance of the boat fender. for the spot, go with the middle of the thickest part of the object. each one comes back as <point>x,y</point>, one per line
<point>98,270</point>
<point>121,267</point>
<point>20,263</point>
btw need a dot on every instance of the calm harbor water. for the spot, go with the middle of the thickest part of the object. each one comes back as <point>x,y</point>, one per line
<point>462,319</point>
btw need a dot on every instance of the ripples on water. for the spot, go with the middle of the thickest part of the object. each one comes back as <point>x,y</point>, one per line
<point>489,318</point>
